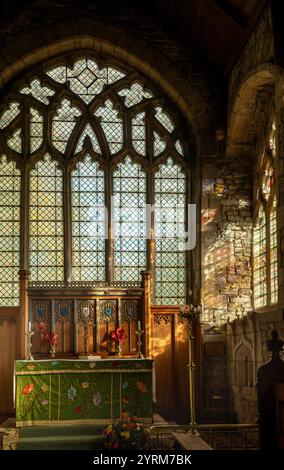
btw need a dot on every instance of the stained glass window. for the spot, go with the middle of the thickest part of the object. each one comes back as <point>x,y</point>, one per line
<point>46,222</point>
<point>259,247</point>
<point>273,254</point>
<point>170,218</point>
<point>265,230</point>
<point>129,190</point>
<point>10,199</point>
<point>88,221</point>
<point>267,181</point>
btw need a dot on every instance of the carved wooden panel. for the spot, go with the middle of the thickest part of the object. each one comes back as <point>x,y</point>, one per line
<point>170,352</point>
<point>8,353</point>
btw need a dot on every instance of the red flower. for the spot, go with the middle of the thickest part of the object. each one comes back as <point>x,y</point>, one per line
<point>48,338</point>
<point>78,409</point>
<point>118,335</point>
<point>116,445</point>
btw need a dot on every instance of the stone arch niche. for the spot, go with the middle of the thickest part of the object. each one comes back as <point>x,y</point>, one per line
<point>243,366</point>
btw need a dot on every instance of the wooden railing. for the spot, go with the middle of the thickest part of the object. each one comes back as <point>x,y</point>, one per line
<point>218,436</point>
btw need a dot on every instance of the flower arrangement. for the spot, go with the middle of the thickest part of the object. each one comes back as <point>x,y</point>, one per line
<point>118,336</point>
<point>49,338</point>
<point>126,433</point>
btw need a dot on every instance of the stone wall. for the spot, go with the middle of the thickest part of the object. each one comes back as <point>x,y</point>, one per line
<point>226,239</point>
<point>256,91</point>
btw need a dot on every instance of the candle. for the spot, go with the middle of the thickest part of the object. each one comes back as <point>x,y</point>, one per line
<point>139,325</point>
<point>30,326</point>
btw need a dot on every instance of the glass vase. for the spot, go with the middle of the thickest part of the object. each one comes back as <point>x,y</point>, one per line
<point>52,351</point>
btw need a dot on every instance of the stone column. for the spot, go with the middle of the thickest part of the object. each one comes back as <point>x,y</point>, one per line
<point>23,320</point>
<point>146,313</point>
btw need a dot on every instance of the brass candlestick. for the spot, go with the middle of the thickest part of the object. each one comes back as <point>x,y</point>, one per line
<point>191,313</point>
<point>29,356</point>
<point>139,333</point>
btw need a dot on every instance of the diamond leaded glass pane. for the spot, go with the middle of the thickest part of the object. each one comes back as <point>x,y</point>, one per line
<point>164,119</point>
<point>88,133</point>
<point>179,147</point>
<point>63,124</point>
<point>170,218</point>
<point>129,190</point>
<point>39,92</point>
<point>159,144</point>
<point>112,126</point>
<point>10,197</point>
<point>15,142</point>
<point>46,222</point>
<point>88,222</point>
<point>134,94</point>
<point>9,115</point>
<point>36,129</point>
<point>85,78</point>
<point>139,133</point>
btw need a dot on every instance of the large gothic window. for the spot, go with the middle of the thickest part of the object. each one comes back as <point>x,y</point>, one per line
<point>265,229</point>
<point>97,145</point>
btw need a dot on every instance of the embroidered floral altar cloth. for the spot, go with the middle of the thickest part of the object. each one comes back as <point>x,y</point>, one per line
<point>50,392</point>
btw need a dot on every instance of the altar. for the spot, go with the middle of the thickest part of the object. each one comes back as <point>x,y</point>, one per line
<point>70,391</point>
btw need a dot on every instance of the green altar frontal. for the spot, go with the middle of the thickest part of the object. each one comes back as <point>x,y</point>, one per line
<point>50,392</point>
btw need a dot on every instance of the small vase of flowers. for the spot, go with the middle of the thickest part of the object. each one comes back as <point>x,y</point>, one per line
<point>48,338</point>
<point>118,336</point>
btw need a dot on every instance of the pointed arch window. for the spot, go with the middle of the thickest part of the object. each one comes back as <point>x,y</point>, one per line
<point>97,142</point>
<point>265,228</point>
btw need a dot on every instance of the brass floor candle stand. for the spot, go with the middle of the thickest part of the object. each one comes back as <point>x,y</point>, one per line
<point>192,314</point>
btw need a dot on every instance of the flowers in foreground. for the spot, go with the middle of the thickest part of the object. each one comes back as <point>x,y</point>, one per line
<point>126,432</point>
